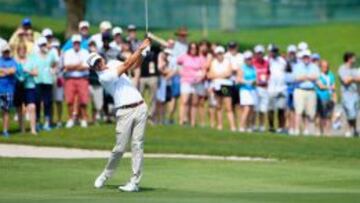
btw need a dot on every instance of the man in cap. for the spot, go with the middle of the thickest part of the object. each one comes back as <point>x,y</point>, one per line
<point>261,66</point>
<point>76,72</point>
<point>131,114</point>
<point>24,34</point>
<point>84,33</point>
<point>277,89</point>
<point>132,37</point>
<point>292,60</point>
<point>104,27</point>
<point>7,85</point>
<point>118,41</point>
<point>306,75</point>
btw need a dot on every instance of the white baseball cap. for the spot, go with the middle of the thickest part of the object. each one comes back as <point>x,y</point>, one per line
<point>248,54</point>
<point>117,30</point>
<point>259,49</point>
<point>84,23</point>
<point>93,57</point>
<point>5,47</point>
<point>105,25</point>
<point>219,50</point>
<point>76,38</point>
<point>41,41</point>
<point>291,48</point>
<point>305,53</point>
<point>55,43</point>
<point>303,46</point>
<point>47,32</point>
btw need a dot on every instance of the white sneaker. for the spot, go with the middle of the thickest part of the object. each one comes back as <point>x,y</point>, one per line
<point>70,123</point>
<point>241,130</point>
<point>83,124</point>
<point>129,187</point>
<point>262,129</point>
<point>306,132</point>
<point>296,133</point>
<point>249,130</point>
<point>100,181</point>
<point>349,134</point>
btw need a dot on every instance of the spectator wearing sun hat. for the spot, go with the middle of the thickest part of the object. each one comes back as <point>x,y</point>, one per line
<point>118,41</point>
<point>76,72</point>
<point>132,37</point>
<point>84,33</point>
<point>306,75</point>
<point>7,85</point>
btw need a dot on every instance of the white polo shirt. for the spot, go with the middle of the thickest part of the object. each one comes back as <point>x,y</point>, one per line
<point>71,57</point>
<point>119,87</point>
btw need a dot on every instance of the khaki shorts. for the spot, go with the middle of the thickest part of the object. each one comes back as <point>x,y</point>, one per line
<point>305,102</point>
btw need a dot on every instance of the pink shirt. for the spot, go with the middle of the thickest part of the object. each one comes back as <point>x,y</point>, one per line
<point>191,68</point>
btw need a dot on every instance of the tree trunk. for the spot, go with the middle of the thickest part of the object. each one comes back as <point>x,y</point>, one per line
<point>75,13</point>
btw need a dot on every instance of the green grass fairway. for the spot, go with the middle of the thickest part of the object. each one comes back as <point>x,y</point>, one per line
<point>34,180</point>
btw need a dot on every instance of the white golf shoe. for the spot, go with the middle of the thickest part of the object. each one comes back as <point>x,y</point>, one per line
<point>100,181</point>
<point>129,187</point>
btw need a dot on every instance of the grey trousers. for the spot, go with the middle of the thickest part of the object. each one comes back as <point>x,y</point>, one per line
<point>130,124</point>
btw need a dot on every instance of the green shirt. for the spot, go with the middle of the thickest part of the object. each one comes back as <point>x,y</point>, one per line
<point>44,64</point>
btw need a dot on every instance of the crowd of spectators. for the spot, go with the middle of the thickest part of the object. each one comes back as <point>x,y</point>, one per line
<point>290,91</point>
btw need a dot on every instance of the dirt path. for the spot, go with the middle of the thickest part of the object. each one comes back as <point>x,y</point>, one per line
<point>27,151</point>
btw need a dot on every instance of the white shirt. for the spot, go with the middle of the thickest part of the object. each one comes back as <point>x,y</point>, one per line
<point>236,62</point>
<point>71,57</point>
<point>220,67</point>
<point>2,43</point>
<point>116,46</point>
<point>97,38</point>
<point>277,83</point>
<point>119,87</point>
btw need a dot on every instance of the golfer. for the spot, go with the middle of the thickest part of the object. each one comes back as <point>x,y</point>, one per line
<point>131,113</point>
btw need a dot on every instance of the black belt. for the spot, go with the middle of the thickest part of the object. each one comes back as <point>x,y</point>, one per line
<point>128,106</point>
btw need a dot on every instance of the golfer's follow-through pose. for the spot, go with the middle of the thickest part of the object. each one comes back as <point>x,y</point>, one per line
<point>131,113</point>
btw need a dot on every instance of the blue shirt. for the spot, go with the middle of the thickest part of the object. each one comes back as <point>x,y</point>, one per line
<point>249,75</point>
<point>7,83</point>
<point>69,44</point>
<point>327,80</point>
<point>301,69</point>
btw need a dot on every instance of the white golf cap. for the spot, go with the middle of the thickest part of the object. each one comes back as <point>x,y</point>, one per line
<point>76,38</point>
<point>84,23</point>
<point>41,41</point>
<point>168,51</point>
<point>291,48</point>
<point>219,50</point>
<point>303,46</point>
<point>117,30</point>
<point>248,54</point>
<point>305,53</point>
<point>105,25</point>
<point>93,57</point>
<point>131,27</point>
<point>259,49</point>
<point>5,47</point>
<point>55,43</point>
<point>47,32</point>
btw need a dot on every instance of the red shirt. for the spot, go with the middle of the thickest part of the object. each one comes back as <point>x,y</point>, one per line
<point>262,71</point>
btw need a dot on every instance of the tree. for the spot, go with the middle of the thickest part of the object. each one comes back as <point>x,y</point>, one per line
<point>75,13</point>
